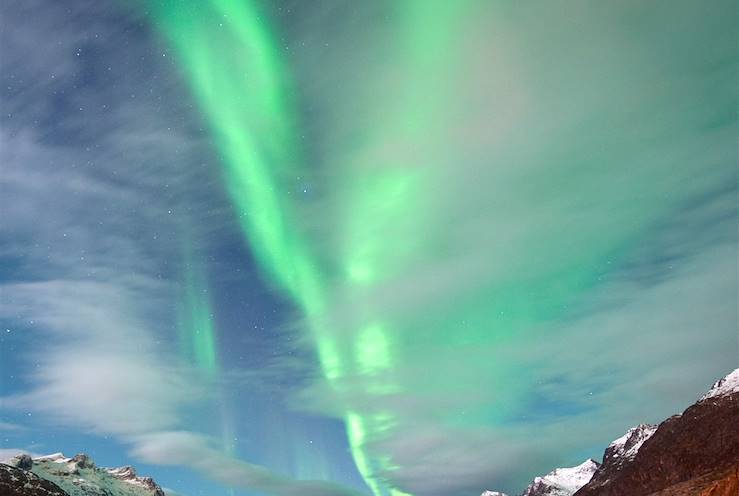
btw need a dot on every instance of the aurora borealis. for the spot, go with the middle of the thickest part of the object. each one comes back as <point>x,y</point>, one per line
<point>392,248</point>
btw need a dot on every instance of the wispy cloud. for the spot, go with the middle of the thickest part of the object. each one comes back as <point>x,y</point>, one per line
<point>7,453</point>
<point>197,451</point>
<point>9,426</point>
<point>103,370</point>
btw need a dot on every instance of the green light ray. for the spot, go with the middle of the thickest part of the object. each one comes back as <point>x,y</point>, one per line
<point>195,319</point>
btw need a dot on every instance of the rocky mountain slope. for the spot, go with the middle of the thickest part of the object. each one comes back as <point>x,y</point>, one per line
<point>695,453</point>
<point>58,475</point>
<point>18,482</point>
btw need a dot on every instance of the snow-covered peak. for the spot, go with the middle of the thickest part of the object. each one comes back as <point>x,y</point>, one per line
<point>54,457</point>
<point>126,472</point>
<point>628,445</point>
<point>562,481</point>
<point>573,478</point>
<point>722,387</point>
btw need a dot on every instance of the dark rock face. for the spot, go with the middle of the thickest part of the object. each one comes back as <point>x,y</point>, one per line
<point>687,452</point>
<point>149,483</point>
<point>18,482</point>
<point>83,461</point>
<point>22,461</point>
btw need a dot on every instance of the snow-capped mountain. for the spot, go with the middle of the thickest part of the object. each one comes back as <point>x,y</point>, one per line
<point>558,482</point>
<point>562,481</point>
<point>622,451</point>
<point>78,476</point>
<point>625,448</point>
<point>723,387</point>
<point>695,453</point>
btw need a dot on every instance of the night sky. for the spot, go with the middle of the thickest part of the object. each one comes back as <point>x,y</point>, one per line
<point>390,248</point>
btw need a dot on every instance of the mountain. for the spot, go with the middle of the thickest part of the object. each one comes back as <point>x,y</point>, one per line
<point>76,476</point>
<point>562,481</point>
<point>695,453</point>
<point>558,482</point>
<point>622,450</point>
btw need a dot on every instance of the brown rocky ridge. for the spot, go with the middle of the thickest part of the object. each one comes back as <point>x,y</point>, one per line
<point>695,453</point>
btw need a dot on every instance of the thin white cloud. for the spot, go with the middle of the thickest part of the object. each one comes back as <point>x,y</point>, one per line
<point>9,426</point>
<point>7,453</point>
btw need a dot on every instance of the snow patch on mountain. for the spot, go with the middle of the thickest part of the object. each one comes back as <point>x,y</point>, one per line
<point>722,387</point>
<point>493,493</point>
<point>562,481</point>
<point>628,445</point>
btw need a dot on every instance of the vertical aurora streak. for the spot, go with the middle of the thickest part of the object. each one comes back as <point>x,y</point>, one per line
<point>195,323</point>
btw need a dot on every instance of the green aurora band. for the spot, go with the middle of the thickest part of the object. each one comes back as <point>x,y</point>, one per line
<point>392,213</point>
<point>235,70</point>
<point>236,73</point>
